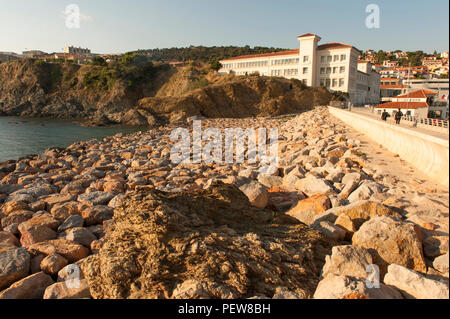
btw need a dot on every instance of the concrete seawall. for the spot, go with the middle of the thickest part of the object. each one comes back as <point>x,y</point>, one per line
<point>428,153</point>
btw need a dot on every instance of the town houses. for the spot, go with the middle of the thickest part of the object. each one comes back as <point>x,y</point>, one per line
<point>415,104</point>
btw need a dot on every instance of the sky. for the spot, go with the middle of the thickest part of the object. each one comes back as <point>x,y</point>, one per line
<point>117,26</point>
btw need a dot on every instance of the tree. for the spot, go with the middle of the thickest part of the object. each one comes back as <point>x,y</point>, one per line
<point>98,60</point>
<point>216,66</point>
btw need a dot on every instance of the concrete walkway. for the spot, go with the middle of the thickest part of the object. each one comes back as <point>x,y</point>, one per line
<point>390,120</point>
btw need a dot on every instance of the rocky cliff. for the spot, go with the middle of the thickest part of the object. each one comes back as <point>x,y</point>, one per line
<point>143,93</point>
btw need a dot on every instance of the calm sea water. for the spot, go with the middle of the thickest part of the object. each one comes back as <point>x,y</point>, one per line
<point>24,136</point>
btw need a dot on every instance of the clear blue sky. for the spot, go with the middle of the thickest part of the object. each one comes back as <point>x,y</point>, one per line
<point>126,25</point>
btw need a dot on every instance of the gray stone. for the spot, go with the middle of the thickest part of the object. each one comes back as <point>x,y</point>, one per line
<point>14,265</point>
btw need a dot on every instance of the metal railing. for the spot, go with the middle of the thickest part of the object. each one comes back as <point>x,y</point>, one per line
<point>426,121</point>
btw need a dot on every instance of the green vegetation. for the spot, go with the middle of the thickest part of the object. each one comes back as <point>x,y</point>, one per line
<point>132,69</point>
<point>197,84</point>
<point>98,60</point>
<point>204,54</point>
<point>216,66</point>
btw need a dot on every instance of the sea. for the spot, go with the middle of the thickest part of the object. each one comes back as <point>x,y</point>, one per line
<point>24,136</point>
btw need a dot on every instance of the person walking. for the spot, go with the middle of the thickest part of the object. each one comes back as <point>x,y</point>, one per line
<point>398,116</point>
<point>384,115</point>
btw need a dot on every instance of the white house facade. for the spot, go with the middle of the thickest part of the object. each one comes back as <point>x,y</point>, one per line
<point>332,65</point>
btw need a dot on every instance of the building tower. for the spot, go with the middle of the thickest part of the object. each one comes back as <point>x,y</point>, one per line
<point>308,58</point>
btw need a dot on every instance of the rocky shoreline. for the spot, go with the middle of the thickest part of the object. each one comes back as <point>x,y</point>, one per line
<point>310,230</point>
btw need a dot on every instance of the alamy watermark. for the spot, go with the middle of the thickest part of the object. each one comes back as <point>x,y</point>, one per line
<point>211,147</point>
<point>373,276</point>
<point>373,19</point>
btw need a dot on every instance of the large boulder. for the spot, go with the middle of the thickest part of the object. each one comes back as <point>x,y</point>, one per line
<point>415,285</point>
<point>31,287</point>
<point>69,250</point>
<point>256,193</point>
<point>210,243</point>
<point>362,211</point>
<point>307,209</point>
<point>344,287</point>
<point>366,190</point>
<point>391,242</point>
<point>14,265</point>
<point>311,185</point>
<point>348,261</point>
<point>441,263</point>
<point>60,290</point>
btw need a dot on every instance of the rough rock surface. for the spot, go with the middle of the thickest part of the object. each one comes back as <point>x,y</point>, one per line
<point>212,243</point>
<point>414,285</point>
<point>342,287</point>
<point>391,242</point>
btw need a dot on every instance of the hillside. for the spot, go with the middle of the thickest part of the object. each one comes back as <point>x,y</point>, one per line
<point>137,91</point>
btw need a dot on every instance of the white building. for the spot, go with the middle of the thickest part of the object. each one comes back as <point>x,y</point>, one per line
<point>74,50</point>
<point>333,65</point>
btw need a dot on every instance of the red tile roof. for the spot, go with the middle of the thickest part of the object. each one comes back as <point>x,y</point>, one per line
<point>392,86</point>
<point>402,105</point>
<point>420,94</point>
<point>250,56</point>
<point>307,35</point>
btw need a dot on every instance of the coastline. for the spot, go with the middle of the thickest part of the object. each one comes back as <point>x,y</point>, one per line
<point>76,205</point>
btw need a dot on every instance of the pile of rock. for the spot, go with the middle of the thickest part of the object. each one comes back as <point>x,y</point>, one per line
<point>57,207</point>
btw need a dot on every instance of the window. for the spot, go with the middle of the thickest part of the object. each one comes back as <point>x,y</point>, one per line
<point>341,82</point>
<point>327,83</point>
<point>322,82</point>
<point>322,70</point>
<point>305,70</point>
<point>328,70</point>
<point>335,83</point>
<point>342,70</point>
<point>343,57</point>
<point>336,58</point>
<point>335,69</point>
<point>329,58</point>
<point>305,58</point>
<point>322,59</point>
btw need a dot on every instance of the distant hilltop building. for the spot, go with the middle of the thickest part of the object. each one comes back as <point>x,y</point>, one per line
<point>332,65</point>
<point>33,54</point>
<point>75,50</point>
